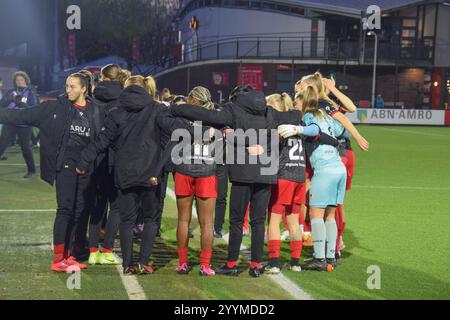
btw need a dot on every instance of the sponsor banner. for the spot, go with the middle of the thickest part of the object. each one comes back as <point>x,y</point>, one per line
<point>399,116</point>
<point>252,76</point>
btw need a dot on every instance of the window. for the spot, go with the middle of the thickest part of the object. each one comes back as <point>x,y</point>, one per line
<point>409,33</point>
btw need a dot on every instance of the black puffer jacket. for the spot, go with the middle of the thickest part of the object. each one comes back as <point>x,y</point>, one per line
<point>107,94</point>
<point>132,132</point>
<point>53,120</point>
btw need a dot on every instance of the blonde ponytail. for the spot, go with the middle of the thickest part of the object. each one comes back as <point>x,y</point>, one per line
<point>316,81</point>
<point>310,100</point>
<point>281,102</point>
<point>150,86</point>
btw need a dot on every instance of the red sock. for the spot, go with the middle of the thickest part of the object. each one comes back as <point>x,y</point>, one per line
<point>104,250</point>
<point>231,264</point>
<point>183,255</point>
<point>274,248</point>
<point>255,265</point>
<point>93,249</point>
<point>58,252</point>
<point>205,258</point>
<point>296,249</point>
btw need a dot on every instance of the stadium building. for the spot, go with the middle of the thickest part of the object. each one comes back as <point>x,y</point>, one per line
<point>271,44</point>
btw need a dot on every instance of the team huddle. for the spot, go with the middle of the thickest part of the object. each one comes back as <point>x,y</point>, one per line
<point>109,147</point>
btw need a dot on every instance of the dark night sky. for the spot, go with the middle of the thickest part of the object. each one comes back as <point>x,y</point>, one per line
<point>23,21</point>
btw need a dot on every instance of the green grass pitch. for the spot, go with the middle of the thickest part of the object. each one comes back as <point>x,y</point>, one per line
<point>398,219</point>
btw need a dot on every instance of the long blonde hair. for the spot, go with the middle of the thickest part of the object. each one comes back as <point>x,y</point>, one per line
<point>148,84</point>
<point>281,102</point>
<point>310,101</point>
<point>315,80</point>
<point>204,96</point>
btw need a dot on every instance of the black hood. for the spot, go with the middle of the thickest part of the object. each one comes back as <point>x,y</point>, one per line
<point>252,102</point>
<point>107,91</point>
<point>135,99</point>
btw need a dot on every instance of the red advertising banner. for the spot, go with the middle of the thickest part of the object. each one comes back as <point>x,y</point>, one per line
<point>447,117</point>
<point>251,76</point>
<point>136,50</point>
<point>71,45</point>
<point>221,79</point>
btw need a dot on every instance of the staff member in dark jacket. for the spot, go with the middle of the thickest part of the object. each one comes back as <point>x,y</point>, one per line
<point>107,94</point>
<point>21,97</point>
<point>67,125</point>
<point>247,110</point>
<point>132,131</point>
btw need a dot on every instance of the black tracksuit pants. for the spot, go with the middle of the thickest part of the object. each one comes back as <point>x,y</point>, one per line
<point>106,193</point>
<point>161,191</point>
<point>74,199</point>
<point>129,201</point>
<point>24,133</point>
<point>221,203</point>
<point>113,222</point>
<point>241,194</point>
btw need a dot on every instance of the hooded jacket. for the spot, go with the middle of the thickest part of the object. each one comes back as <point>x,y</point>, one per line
<point>107,94</point>
<point>131,130</point>
<point>53,119</point>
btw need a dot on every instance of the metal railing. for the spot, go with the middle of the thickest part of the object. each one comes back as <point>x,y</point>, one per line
<point>298,48</point>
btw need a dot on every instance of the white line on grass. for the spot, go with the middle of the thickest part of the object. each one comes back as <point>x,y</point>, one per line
<point>401,188</point>
<point>284,282</point>
<point>132,286</point>
<point>130,282</point>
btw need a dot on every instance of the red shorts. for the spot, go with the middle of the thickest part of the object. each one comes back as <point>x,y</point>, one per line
<point>350,165</point>
<point>287,197</point>
<point>200,187</point>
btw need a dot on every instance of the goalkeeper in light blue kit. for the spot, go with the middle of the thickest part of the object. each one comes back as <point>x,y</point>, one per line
<point>328,183</point>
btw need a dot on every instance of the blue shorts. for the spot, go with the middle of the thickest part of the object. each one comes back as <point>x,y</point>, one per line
<point>328,186</point>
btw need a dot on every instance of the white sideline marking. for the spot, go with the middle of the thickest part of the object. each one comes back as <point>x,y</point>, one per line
<point>284,282</point>
<point>132,286</point>
<point>401,188</point>
<point>130,282</point>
